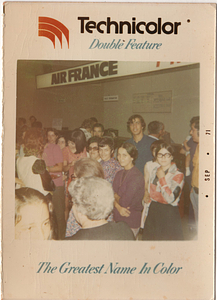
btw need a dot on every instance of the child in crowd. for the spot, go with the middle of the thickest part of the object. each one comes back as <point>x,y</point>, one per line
<point>33,215</point>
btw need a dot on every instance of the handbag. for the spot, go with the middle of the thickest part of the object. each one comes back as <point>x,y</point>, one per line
<point>39,167</point>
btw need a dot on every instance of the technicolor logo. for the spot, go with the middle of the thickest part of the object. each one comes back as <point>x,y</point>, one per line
<point>50,28</point>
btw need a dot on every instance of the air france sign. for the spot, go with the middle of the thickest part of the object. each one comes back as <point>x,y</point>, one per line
<point>90,72</point>
<point>100,71</point>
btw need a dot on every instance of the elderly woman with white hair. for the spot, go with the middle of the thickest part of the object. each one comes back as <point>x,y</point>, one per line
<point>93,201</point>
<point>84,167</point>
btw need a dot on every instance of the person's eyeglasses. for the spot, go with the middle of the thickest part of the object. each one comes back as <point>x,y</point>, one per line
<point>166,155</point>
<point>73,177</point>
<point>93,148</point>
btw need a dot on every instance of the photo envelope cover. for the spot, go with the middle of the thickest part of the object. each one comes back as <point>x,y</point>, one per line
<point>66,62</point>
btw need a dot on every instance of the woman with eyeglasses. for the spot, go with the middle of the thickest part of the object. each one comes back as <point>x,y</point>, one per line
<point>166,182</point>
<point>93,148</point>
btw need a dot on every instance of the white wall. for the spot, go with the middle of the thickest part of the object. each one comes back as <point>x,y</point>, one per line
<point>183,82</point>
<point>85,100</point>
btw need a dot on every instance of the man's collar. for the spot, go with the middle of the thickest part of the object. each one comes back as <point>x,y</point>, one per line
<point>138,139</point>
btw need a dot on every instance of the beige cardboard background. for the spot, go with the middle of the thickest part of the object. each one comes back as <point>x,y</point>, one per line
<point>194,43</point>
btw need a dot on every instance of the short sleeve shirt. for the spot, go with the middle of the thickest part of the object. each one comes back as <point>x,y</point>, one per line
<point>53,155</point>
<point>144,151</point>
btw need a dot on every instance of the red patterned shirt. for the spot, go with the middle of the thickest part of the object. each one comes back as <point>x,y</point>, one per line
<point>167,190</point>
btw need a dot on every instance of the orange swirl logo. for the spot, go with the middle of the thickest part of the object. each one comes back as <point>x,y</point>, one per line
<point>50,28</point>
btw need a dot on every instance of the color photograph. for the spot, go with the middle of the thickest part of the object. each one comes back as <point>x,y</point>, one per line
<point>104,112</point>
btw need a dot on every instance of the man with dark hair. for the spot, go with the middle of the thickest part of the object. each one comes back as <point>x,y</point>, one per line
<point>21,128</point>
<point>32,120</point>
<point>53,158</point>
<point>155,129</point>
<point>22,122</point>
<point>195,120</point>
<point>189,146</point>
<point>98,130</point>
<point>94,120</point>
<point>86,127</point>
<point>37,124</point>
<point>136,125</point>
<point>195,133</point>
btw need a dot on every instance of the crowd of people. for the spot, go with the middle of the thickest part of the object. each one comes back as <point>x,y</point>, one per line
<point>85,187</point>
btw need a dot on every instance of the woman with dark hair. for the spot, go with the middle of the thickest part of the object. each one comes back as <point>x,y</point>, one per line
<point>85,167</point>
<point>128,187</point>
<point>33,215</point>
<point>30,167</point>
<point>110,165</point>
<point>61,141</point>
<point>166,182</point>
<point>75,150</point>
<point>54,161</point>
